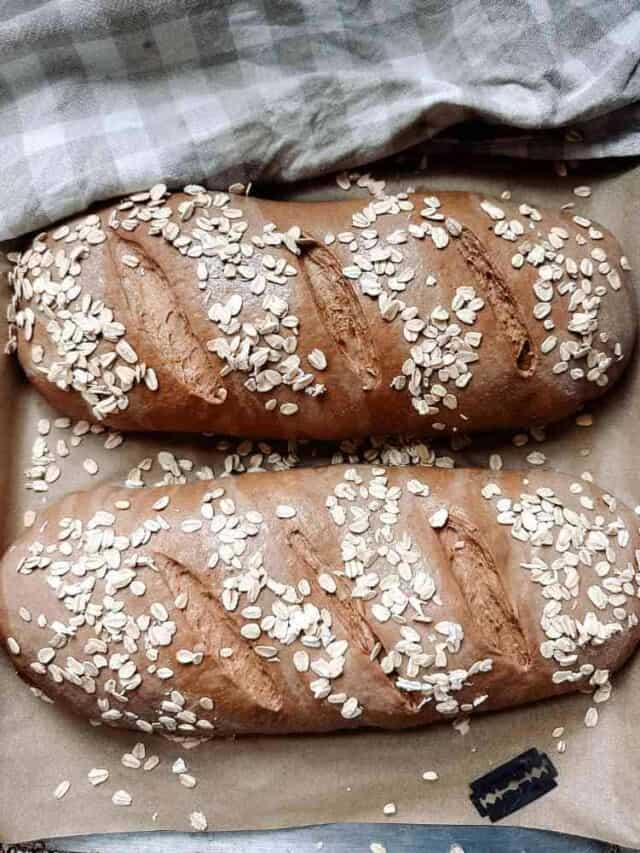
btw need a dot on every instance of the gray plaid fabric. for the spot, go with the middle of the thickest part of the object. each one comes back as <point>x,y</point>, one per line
<point>102,97</point>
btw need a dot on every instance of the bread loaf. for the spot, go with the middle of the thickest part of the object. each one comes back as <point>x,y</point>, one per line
<point>320,599</point>
<point>204,311</point>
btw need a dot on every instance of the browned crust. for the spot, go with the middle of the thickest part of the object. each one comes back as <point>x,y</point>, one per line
<point>252,696</point>
<point>513,384</point>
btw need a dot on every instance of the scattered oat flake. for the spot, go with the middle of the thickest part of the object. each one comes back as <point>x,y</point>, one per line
<point>490,490</point>
<point>62,789</point>
<point>139,750</point>
<point>582,191</point>
<point>495,462</point>
<point>439,518</point>
<point>121,798</point>
<point>317,359</point>
<point>113,440</point>
<point>198,821</point>
<point>90,466</point>
<point>376,847</point>
<point>389,809</point>
<point>456,848</point>
<point>285,511</point>
<point>591,718</point>
<point>187,780</point>
<point>327,582</point>
<point>29,517</point>
<point>151,762</point>
<point>430,776</point>
<point>97,775</point>
<point>52,473</point>
<point>288,409</point>
<point>536,457</point>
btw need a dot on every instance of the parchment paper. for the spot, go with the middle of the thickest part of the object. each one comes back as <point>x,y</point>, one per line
<point>284,781</point>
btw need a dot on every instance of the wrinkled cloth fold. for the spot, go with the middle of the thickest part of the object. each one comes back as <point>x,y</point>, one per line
<point>106,97</point>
